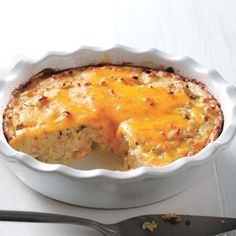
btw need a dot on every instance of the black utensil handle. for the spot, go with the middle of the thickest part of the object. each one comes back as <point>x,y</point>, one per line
<point>39,217</point>
<point>27,216</point>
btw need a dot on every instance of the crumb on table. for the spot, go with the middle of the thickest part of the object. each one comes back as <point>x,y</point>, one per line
<point>151,226</point>
<point>222,221</point>
<point>172,218</point>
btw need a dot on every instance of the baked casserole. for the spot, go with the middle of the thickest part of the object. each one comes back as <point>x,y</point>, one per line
<point>149,117</point>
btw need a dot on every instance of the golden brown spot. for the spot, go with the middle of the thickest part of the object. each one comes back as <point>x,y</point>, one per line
<point>112,92</point>
<point>43,100</point>
<point>87,83</point>
<point>173,134</point>
<point>67,114</point>
<point>103,82</point>
<point>150,101</point>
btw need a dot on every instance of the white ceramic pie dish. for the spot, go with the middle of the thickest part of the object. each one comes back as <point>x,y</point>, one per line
<point>102,188</point>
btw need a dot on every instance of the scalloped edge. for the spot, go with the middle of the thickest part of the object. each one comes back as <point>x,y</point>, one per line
<point>143,172</point>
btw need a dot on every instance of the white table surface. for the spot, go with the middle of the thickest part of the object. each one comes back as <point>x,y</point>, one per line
<point>203,30</point>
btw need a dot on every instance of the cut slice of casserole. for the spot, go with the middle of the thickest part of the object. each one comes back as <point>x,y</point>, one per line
<point>148,117</point>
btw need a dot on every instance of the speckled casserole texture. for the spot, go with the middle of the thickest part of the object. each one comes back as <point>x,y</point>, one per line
<point>148,117</point>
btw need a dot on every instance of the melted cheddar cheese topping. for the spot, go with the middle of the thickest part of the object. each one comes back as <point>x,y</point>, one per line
<point>161,115</point>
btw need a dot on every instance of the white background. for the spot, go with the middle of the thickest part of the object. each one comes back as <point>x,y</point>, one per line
<point>203,30</point>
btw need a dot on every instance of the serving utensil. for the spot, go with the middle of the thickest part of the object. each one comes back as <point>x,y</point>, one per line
<point>161,225</point>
